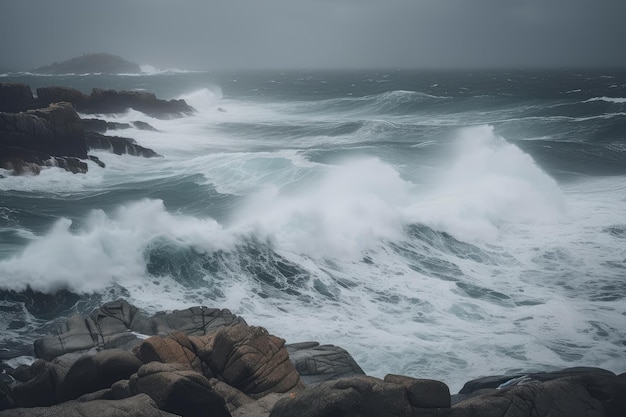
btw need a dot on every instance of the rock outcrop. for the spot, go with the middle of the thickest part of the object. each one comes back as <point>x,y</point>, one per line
<point>209,362</point>
<point>52,136</point>
<point>47,131</point>
<point>16,97</point>
<point>118,145</point>
<point>121,325</point>
<point>102,101</point>
<point>138,406</point>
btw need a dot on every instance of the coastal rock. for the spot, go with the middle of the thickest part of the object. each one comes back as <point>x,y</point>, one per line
<point>52,136</point>
<point>53,94</point>
<point>253,361</point>
<point>101,126</point>
<point>116,324</point>
<point>107,101</point>
<point>15,97</point>
<point>234,398</point>
<point>95,125</point>
<point>118,126</point>
<point>118,145</point>
<point>175,348</point>
<point>499,382</point>
<point>178,390</point>
<point>259,408</point>
<point>138,406</point>
<point>582,395</point>
<point>423,393</point>
<point>362,396</point>
<point>144,126</point>
<point>91,373</point>
<point>41,390</point>
<point>91,63</point>
<point>194,321</point>
<point>318,363</point>
<point>113,101</point>
<point>201,361</point>
<point>47,131</point>
<point>55,130</point>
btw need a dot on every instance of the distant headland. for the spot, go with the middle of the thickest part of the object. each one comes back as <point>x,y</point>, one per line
<point>91,63</point>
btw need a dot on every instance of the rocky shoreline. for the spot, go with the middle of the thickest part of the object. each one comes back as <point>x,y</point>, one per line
<point>209,362</point>
<point>47,131</point>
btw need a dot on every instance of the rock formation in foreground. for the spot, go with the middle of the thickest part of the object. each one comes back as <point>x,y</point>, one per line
<point>210,362</point>
<point>91,63</point>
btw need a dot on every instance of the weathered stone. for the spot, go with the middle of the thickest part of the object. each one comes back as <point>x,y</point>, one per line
<point>113,326</point>
<point>138,406</point>
<point>118,126</point>
<point>194,321</point>
<point>6,396</point>
<point>95,125</point>
<point>144,126</point>
<point>580,395</point>
<point>91,373</point>
<point>41,390</point>
<point>259,408</point>
<point>117,145</point>
<point>49,95</point>
<point>232,396</point>
<point>15,97</point>
<point>72,336</point>
<point>318,363</point>
<point>423,393</point>
<point>177,389</point>
<point>253,361</point>
<point>503,381</point>
<point>54,130</point>
<point>175,348</point>
<point>361,396</point>
<point>97,161</point>
<point>112,101</point>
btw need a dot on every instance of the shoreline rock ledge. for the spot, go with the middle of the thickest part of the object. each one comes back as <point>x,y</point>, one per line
<point>209,362</point>
<point>46,131</point>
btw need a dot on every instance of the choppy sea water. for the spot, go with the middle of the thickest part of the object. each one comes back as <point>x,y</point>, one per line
<point>437,224</point>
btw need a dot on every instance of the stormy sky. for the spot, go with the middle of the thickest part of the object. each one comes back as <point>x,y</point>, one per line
<point>211,34</point>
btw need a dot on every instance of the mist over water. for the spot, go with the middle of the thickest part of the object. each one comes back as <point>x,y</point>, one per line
<point>434,225</point>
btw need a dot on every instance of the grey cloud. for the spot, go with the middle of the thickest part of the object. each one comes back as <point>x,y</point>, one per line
<point>322,33</point>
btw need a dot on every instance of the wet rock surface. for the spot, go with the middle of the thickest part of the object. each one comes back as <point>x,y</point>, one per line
<point>46,130</point>
<point>208,362</point>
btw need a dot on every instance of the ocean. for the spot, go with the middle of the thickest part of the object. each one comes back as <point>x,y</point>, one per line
<point>436,224</point>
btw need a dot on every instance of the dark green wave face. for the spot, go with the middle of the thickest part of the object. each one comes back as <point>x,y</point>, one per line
<point>445,224</point>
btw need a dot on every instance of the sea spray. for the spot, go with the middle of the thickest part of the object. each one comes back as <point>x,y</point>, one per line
<point>349,210</point>
<point>487,183</point>
<point>104,250</point>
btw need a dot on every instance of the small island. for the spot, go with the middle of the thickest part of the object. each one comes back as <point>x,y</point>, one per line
<point>91,63</point>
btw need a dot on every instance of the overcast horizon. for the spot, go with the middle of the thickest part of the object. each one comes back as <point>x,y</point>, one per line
<point>201,34</point>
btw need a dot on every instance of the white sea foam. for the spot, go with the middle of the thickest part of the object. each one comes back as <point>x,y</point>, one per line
<point>616,100</point>
<point>489,182</point>
<point>148,69</point>
<point>105,250</point>
<point>353,206</point>
<point>204,99</point>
